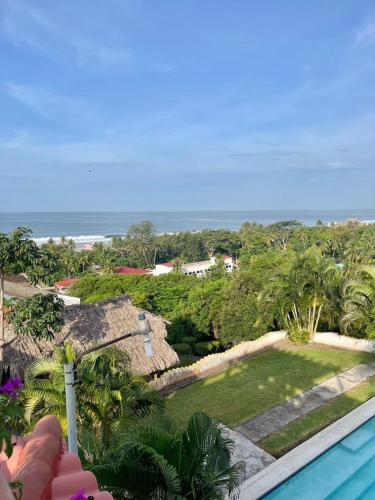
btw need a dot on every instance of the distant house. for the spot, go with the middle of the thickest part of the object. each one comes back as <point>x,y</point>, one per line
<point>89,324</point>
<point>62,285</point>
<point>194,268</point>
<point>164,268</point>
<point>18,286</point>
<point>130,270</point>
<point>88,246</point>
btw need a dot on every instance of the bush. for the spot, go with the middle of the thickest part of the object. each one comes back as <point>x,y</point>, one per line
<point>182,348</point>
<point>295,334</point>
<point>189,340</point>
<point>204,348</point>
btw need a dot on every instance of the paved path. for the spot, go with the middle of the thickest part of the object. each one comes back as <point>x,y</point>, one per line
<point>254,458</point>
<point>277,417</point>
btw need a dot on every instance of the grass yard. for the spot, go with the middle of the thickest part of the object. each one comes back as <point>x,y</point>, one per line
<point>298,431</point>
<point>255,385</point>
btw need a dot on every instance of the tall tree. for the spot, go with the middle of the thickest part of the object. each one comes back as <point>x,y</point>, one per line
<point>18,253</point>
<point>140,240</point>
<point>300,296</point>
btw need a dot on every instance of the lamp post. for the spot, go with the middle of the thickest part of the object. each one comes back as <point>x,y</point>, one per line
<point>144,329</point>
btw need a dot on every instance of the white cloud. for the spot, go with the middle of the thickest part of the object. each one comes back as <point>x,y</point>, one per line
<point>365,35</point>
<point>92,44</point>
<point>50,105</point>
<point>338,165</point>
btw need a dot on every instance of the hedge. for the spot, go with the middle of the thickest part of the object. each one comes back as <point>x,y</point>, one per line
<point>182,348</point>
<point>204,348</point>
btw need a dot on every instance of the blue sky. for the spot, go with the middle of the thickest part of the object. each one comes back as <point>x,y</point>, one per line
<point>188,104</point>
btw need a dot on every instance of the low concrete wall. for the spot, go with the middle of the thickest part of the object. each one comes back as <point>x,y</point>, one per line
<point>69,300</point>
<point>187,374</point>
<point>345,342</point>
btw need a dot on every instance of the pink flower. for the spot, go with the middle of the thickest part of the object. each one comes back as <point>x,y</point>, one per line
<point>11,386</point>
<point>79,495</point>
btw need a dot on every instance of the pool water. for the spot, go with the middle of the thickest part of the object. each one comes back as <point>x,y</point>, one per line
<point>345,471</point>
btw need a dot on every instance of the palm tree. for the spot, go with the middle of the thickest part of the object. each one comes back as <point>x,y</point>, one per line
<point>356,253</point>
<point>359,302</point>
<point>156,461</point>
<point>303,236</point>
<point>299,297</point>
<point>107,393</point>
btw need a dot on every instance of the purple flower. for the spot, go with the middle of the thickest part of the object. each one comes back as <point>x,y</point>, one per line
<point>79,495</point>
<point>11,386</point>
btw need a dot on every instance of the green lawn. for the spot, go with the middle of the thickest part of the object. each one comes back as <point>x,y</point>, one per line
<point>254,385</point>
<point>298,431</point>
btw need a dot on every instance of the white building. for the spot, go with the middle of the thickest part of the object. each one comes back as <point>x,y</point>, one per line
<point>164,268</point>
<point>194,268</point>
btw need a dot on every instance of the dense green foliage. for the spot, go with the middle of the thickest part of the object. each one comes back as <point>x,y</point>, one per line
<point>11,412</point>
<point>154,460</point>
<point>134,450</point>
<point>140,247</point>
<point>107,393</point>
<point>288,276</point>
<point>40,316</point>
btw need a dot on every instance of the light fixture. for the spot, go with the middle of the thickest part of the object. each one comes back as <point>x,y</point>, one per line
<point>144,328</point>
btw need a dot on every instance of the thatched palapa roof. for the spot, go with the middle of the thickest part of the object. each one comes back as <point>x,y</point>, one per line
<point>17,285</point>
<point>89,324</point>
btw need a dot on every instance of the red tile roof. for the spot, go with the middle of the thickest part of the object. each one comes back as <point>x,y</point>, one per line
<point>66,282</point>
<point>130,270</point>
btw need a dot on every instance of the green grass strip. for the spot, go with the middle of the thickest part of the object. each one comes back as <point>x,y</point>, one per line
<point>259,383</point>
<point>296,432</point>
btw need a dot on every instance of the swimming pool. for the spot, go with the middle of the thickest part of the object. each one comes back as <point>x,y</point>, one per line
<point>345,471</point>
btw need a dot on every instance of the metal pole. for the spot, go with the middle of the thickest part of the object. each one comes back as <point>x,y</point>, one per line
<point>70,407</point>
<point>69,376</point>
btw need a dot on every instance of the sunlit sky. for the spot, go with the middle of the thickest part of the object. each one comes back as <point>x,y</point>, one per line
<point>188,104</point>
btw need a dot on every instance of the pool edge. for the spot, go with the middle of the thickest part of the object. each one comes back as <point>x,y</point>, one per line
<point>280,470</point>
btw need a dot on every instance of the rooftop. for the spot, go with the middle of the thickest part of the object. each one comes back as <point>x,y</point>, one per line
<point>96,323</point>
<point>130,270</point>
<point>66,282</point>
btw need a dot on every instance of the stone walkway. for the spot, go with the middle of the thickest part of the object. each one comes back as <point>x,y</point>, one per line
<point>277,417</point>
<point>254,458</point>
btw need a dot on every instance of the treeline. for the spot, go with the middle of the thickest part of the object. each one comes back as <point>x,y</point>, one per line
<point>289,276</point>
<point>140,247</point>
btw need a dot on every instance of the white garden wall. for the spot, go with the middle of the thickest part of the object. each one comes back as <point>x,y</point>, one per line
<point>344,342</point>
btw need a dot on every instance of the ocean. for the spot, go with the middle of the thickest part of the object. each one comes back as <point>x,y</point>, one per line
<point>85,227</point>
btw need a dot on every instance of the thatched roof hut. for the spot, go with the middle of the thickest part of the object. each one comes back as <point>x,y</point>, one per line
<point>89,324</point>
<point>17,285</point>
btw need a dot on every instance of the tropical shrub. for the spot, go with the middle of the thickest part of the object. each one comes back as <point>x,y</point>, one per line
<point>182,348</point>
<point>11,413</point>
<point>107,393</point>
<point>155,461</point>
<point>204,348</point>
<point>40,316</point>
<point>305,294</point>
<point>298,334</point>
<point>189,340</point>
<point>359,303</point>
